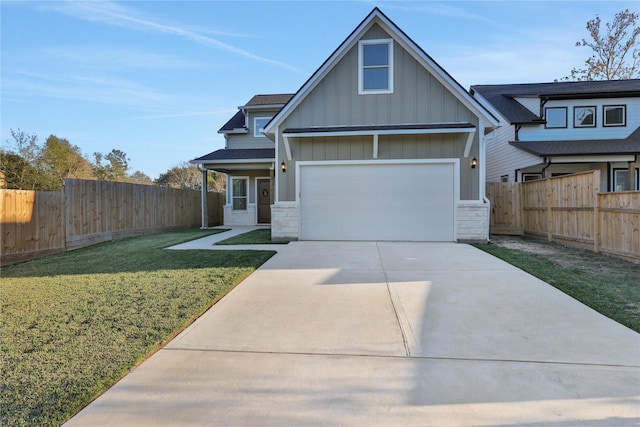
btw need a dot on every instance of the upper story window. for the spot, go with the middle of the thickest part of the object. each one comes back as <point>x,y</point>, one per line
<point>614,115</point>
<point>375,66</point>
<point>584,117</point>
<point>258,124</point>
<point>556,117</point>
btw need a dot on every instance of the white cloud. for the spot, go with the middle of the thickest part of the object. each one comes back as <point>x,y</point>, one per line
<point>110,13</point>
<point>94,88</point>
<point>104,57</point>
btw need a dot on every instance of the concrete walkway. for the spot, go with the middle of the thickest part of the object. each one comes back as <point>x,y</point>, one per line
<point>386,334</point>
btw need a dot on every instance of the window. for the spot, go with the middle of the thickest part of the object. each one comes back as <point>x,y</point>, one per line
<point>239,193</point>
<point>504,178</point>
<point>556,117</point>
<point>614,115</point>
<point>258,124</point>
<point>375,66</point>
<point>621,180</point>
<point>584,117</point>
<point>531,176</point>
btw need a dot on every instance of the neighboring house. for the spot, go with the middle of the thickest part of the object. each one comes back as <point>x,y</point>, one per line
<point>559,128</point>
<point>380,143</point>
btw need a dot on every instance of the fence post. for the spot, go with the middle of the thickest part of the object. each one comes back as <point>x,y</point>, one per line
<point>596,211</point>
<point>549,210</point>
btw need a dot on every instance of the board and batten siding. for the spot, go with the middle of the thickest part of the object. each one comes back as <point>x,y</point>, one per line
<point>247,140</point>
<point>418,97</point>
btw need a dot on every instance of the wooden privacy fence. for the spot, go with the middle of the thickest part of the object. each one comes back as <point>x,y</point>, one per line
<point>569,209</point>
<point>37,223</point>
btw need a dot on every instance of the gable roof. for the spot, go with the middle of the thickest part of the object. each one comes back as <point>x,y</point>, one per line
<point>502,97</point>
<point>377,17</point>
<point>236,124</point>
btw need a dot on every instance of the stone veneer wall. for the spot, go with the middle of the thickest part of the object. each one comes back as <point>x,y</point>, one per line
<point>247,217</point>
<point>473,221</point>
<point>285,221</point>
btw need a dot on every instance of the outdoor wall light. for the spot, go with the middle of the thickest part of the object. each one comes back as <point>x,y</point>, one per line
<point>474,163</point>
<point>283,167</point>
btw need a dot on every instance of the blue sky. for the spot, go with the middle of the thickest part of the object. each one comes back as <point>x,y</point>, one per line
<point>157,79</point>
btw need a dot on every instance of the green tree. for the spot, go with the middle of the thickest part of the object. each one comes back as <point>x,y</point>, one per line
<point>113,166</point>
<point>616,53</point>
<point>188,176</point>
<point>60,160</point>
<point>139,177</point>
<point>17,174</point>
<point>18,164</point>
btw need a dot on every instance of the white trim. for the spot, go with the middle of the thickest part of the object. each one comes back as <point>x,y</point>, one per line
<point>257,133</point>
<point>381,132</point>
<point>204,163</point>
<point>375,145</point>
<point>261,107</point>
<point>361,66</point>
<point>287,147</point>
<point>469,143</point>
<point>233,178</point>
<point>276,170</point>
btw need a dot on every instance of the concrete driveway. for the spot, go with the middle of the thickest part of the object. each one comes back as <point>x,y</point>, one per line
<point>366,333</point>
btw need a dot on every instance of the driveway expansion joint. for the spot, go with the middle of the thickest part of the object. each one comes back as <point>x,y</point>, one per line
<point>408,357</point>
<point>405,341</point>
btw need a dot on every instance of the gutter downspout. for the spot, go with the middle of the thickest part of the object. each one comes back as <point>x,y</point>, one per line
<point>203,198</point>
<point>547,163</point>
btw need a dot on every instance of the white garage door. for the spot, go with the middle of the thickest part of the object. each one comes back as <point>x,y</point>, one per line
<point>386,201</point>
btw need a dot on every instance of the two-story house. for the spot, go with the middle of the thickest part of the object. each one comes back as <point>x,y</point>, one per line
<point>380,143</point>
<point>551,129</point>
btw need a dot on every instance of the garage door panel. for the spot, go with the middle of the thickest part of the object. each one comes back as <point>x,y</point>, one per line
<point>377,202</point>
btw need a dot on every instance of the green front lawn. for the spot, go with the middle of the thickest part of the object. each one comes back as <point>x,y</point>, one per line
<point>255,237</point>
<point>72,324</point>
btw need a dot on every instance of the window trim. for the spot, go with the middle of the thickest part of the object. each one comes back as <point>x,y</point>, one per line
<point>361,89</point>
<point>614,178</point>
<point>575,118</point>
<point>566,121</point>
<point>233,197</point>
<point>256,130</point>
<point>624,115</point>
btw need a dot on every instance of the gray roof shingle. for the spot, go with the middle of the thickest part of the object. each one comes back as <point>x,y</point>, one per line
<point>227,154</point>
<point>502,96</point>
<point>235,122</point>
<point>270,99</point>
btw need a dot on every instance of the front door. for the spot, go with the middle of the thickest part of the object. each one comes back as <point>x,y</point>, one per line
<point>264,201</point>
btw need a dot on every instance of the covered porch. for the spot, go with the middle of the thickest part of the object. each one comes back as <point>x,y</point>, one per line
<point>249,184</point>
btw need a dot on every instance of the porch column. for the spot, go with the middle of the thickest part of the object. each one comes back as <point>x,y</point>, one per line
<point>203,199</point>
<point>631,176</point>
